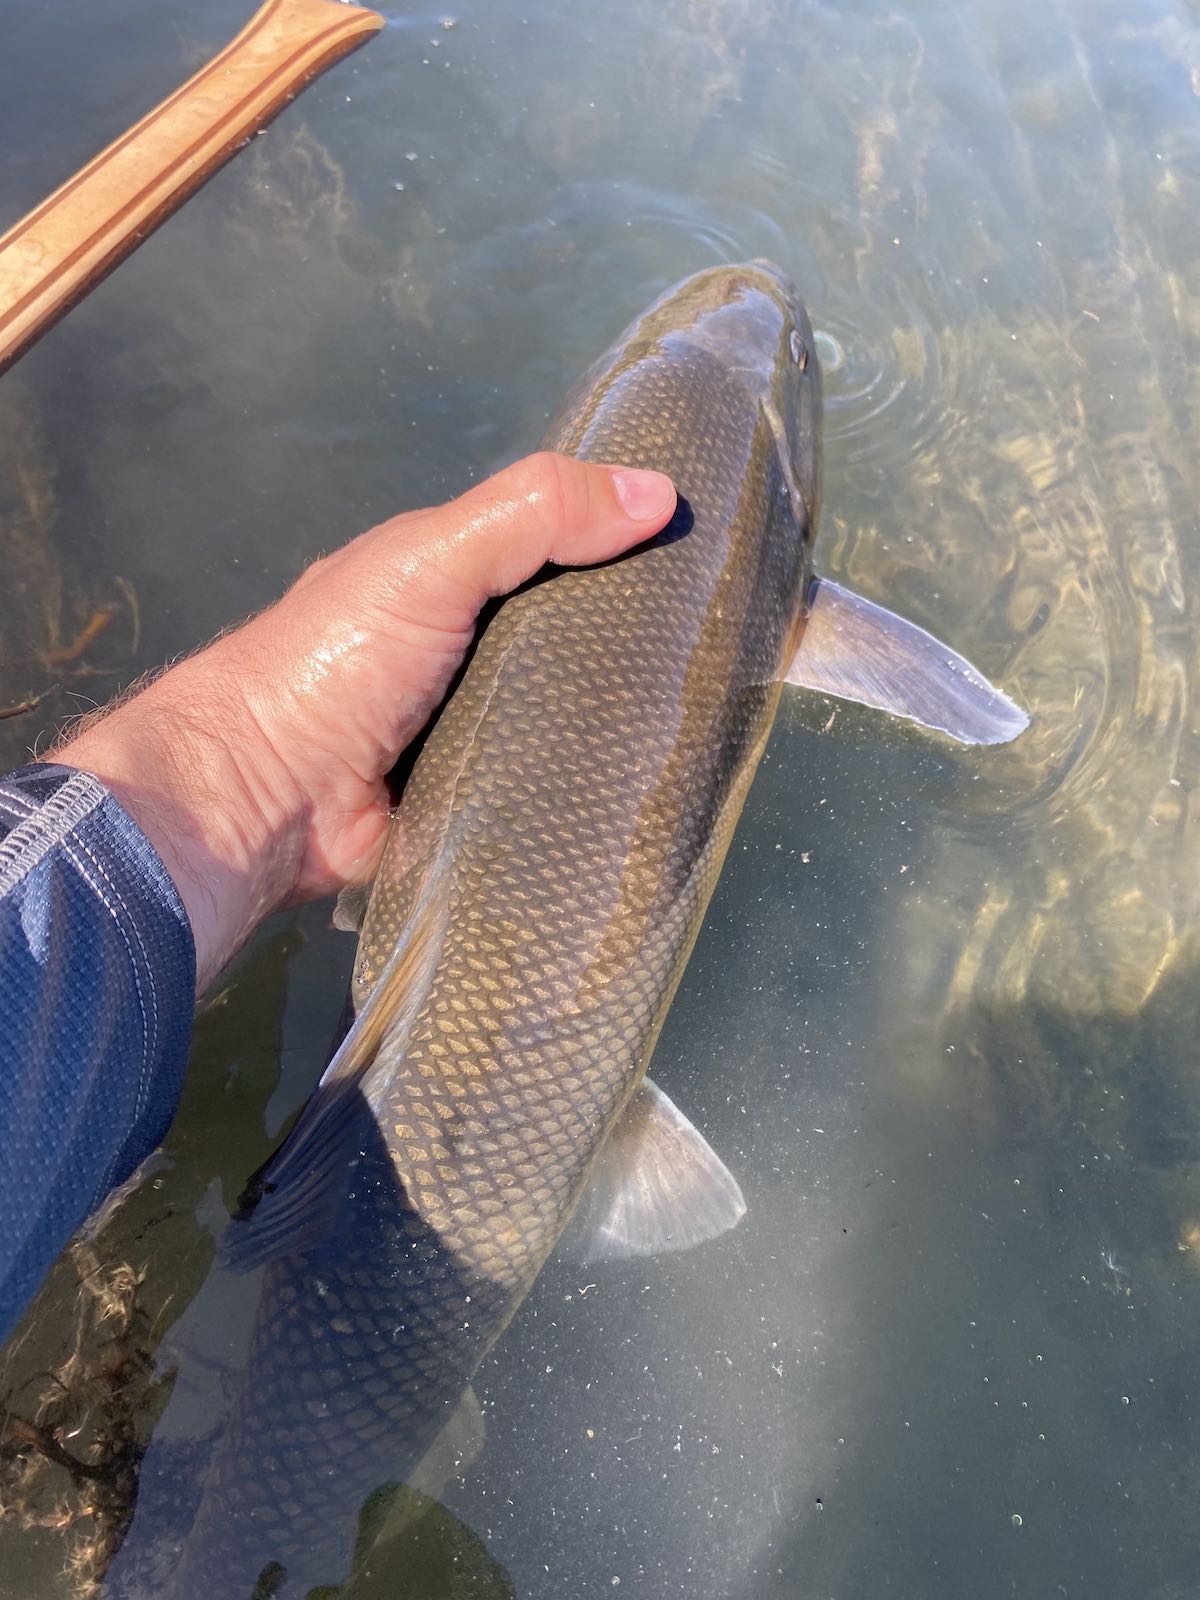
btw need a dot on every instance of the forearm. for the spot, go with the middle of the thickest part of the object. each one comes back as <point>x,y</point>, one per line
<point>186,761</point>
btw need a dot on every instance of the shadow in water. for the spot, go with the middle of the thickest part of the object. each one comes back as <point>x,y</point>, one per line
<point>286,1405</point>
<point>79,1389</point>
<point>361,1350</point>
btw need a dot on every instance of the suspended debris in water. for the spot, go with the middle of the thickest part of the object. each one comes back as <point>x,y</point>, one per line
<point>24,706</point>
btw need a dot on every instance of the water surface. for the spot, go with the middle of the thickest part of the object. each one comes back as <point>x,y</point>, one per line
<point>942,1019</point>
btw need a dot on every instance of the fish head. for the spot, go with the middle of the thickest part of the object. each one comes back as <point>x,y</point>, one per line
<point>751,318</point>
<point>749,326</point>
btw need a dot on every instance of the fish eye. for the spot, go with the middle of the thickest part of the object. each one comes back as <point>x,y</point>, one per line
<point>798,348</point>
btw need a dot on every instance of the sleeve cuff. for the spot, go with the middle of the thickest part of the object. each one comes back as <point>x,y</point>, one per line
<point>97,992</point>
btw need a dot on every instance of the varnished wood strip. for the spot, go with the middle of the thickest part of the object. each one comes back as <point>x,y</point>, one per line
<point>65,245</point>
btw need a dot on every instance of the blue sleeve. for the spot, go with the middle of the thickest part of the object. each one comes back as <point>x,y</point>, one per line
<point>97,981</point>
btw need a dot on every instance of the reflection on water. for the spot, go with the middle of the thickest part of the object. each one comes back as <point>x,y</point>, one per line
<point>941,1019</point>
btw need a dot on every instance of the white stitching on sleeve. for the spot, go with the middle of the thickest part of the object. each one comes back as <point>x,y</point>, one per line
<point>124,921</point>
<point>46,826</point>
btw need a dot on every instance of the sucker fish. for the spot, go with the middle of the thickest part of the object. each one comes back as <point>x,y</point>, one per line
<point>547,872</point>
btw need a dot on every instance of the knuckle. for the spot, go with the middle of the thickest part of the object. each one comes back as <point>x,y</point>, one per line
<point>553,488</point>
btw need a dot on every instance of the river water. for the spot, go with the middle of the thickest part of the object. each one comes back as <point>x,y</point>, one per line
<point>942,1019</point>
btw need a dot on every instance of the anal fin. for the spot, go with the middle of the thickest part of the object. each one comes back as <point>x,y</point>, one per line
<point>860,651</point>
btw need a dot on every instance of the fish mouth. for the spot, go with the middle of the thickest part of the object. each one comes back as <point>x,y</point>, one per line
<point>718,285</point>
<point>783,288</point>
<point>763,277</point>
<point>746,312</point>
<point>769,269</point>
<point>735,286</point>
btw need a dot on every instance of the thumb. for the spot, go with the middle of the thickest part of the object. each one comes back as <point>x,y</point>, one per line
<point>547,507</point>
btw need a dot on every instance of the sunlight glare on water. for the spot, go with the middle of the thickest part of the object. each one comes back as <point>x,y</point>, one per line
<point>941,1020</point>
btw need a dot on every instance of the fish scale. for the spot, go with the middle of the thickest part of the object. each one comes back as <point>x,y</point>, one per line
<point>560,833</point>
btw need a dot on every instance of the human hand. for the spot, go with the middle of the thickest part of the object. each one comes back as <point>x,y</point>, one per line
<point>256,767</point>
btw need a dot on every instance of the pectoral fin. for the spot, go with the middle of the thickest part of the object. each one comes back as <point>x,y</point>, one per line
<point>859,651</point>
<point>351,907</point>
<point>657,1185</point>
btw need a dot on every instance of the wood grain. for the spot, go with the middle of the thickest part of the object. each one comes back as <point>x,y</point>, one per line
<point>62,248</point>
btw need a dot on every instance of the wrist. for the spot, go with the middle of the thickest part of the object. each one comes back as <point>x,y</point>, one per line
<point>182,759</point>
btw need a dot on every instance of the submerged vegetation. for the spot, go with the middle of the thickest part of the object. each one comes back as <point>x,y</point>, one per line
<point>71,1436</point>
